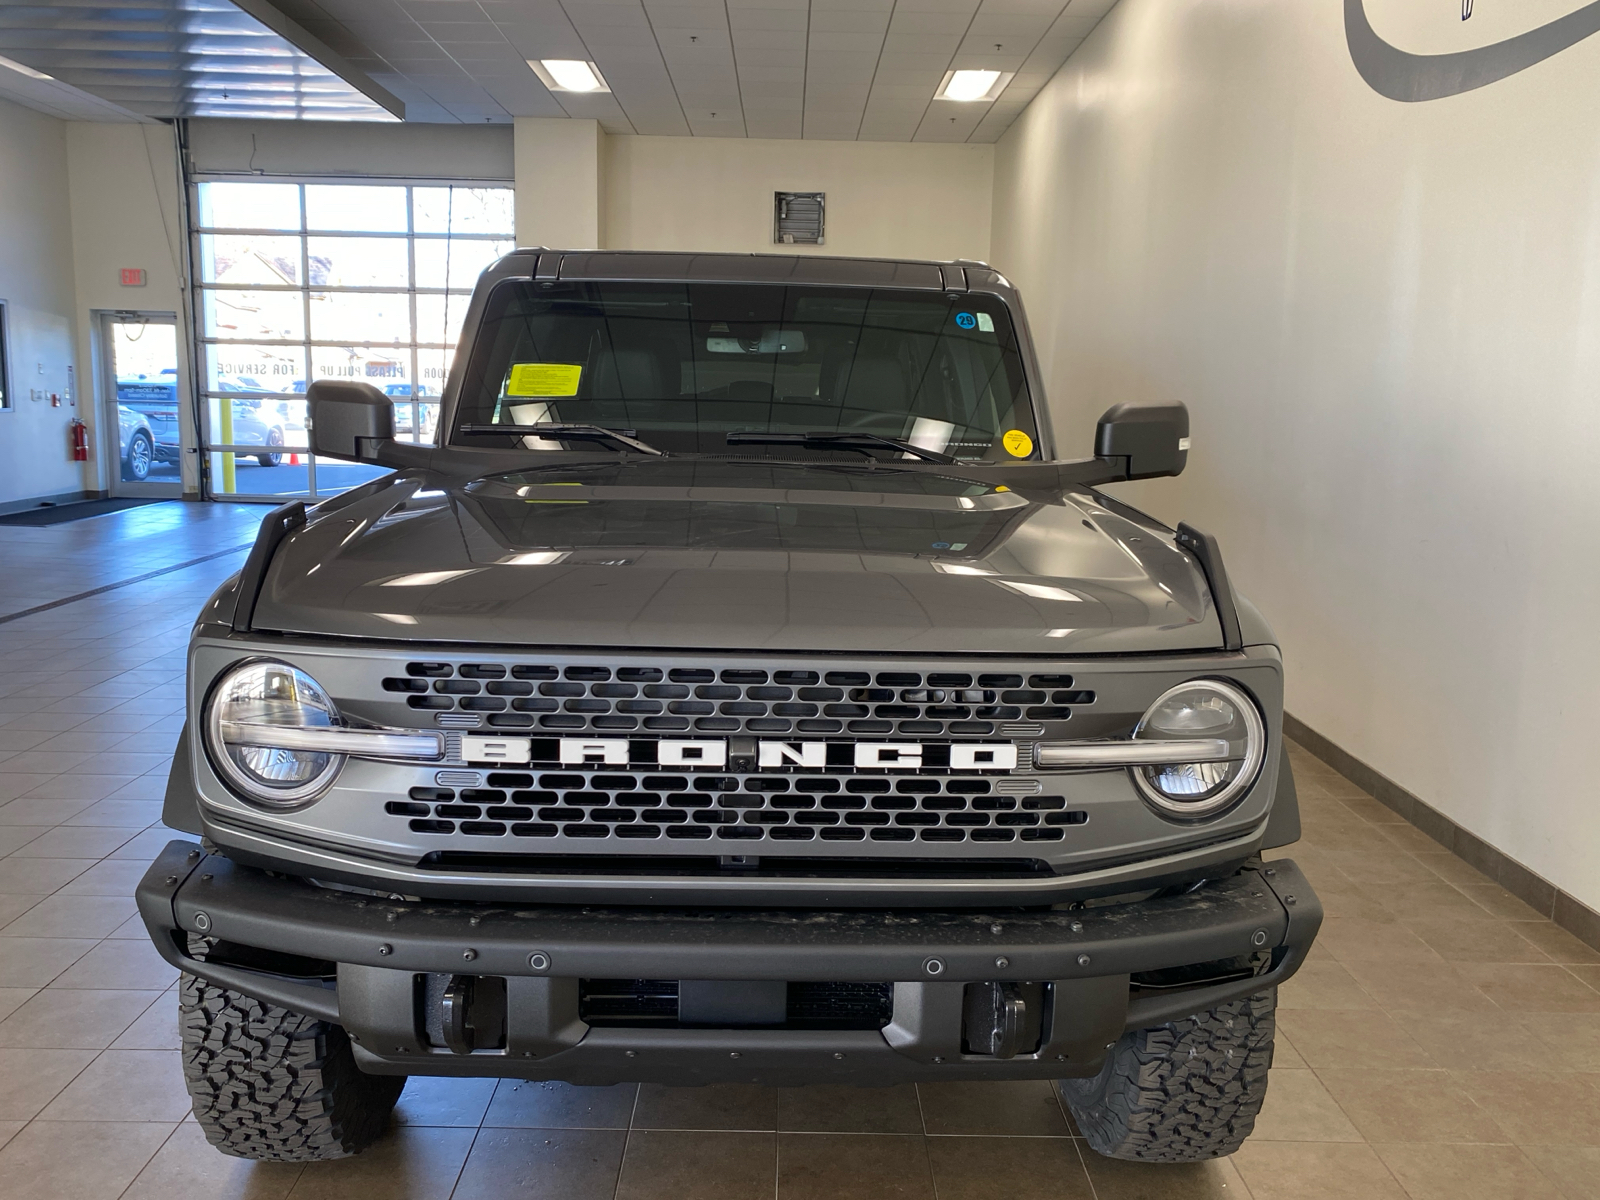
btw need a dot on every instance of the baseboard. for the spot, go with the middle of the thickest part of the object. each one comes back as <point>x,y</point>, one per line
<point>1534,890</point>
<point>16,506</point>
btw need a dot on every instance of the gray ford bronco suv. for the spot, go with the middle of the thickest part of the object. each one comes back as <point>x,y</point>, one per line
<point>742,689</point>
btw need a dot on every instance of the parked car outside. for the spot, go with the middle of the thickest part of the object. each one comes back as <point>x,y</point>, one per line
<point>137,444</point>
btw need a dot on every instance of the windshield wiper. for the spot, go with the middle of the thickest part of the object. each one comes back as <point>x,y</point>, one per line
<point>864,442</point>
<point>569,432</point>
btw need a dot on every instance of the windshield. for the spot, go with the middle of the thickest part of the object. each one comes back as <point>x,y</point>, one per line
<point>682,365</point>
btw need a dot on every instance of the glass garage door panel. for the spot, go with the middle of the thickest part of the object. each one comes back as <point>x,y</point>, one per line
<point>300,282</point>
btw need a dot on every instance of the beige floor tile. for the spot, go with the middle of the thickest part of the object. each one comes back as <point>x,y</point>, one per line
<point>1537,1108</point>
<point>1421,987</point>
<point>120,964</point>
<point>30,1079</point>
<point>460,1103</point>
<point>1569,1041</point>
<point>1013,1108</point>
<point>1589,973</point>
<point>73,1019</point>
<point>1408,837</point>
<point>156,1029</point>
<point>14,784</point>
<point>1114,1179</point>
<point>1350,940</point>
<point>13,998</point>
<point>52,1160</point>
<point>1340,1038</point>
<point>698,1165</point>
<point>13,905</point>
<point>1008,1168</point>
<point>827,1109</point>
<point>569,1164</point>
<point>34,962</point>
<point>717,1106</point>
<point>1498,902</point>
<point>1557,943</point>
<point>187,1167</point>
<point>1298,1108</point>
<point>1428,900</point>
<point>1532,988</point>
<point>1391,866</point>
<point>522,1104</point>
<point>10,1129</point>
<point>1453,870</point>
<point>1323,985</point>
<point>1345,900</point>
<point>1575,1169</point>
<point>40,875</point>
<point>35,810</point>
<point>72,916</point>
<point>1315,1171</point>
<point>1283,1052</point>
<point>1476,940</point>
<point>108,877</point>
<point>1421,1106</point>
<point>1374,812</point>
<point>1465,1041</point>
<point>140,812</point>
<point>14,837</point>
<point>853,1166</point>
<point>1465,1172</point>
<point>408,1163</point>
<point>124,1085</point>
<point>77,841</point>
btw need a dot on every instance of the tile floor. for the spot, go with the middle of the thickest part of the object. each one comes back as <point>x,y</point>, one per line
<point>1443,1042</point>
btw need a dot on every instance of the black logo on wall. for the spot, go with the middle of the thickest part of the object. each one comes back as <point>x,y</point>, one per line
<point>1399,75</point>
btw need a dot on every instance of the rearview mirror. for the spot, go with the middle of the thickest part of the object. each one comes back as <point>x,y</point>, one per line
<point>349,419</point>
<point>1154,438</point>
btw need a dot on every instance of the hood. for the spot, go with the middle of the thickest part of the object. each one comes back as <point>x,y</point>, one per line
<point>737,555</point>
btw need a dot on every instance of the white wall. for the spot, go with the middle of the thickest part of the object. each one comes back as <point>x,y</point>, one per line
<point>125,213</point>
<point>560,167</point>
<point>1385,319</point>
<point>36,281</point>
<point>892,199</point>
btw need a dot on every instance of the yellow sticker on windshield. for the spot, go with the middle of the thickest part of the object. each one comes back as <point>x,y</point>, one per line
<point>1017,443</point>
<point>543,379</point>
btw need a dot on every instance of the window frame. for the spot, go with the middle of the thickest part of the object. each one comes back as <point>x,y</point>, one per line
<point>8,401</point>
<point>306,345</point>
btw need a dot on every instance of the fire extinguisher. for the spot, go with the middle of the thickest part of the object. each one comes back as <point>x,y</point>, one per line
<point>80,441</point>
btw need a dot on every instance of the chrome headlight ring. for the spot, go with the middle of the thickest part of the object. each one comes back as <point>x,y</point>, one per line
<point>1208,710</point>
<point>269,695</point>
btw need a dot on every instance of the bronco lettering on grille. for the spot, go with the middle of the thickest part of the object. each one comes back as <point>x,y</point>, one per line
<point>680,752</point>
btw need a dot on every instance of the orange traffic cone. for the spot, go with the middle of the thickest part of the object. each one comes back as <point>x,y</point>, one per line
<point>294,460</point>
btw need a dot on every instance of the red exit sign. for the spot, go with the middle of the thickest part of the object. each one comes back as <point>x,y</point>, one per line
<point>132,276</point>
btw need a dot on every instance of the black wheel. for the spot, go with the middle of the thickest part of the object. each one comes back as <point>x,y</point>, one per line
<point>274,438</point>
<point>1182,1092</point>
<point>274,1085</point>
<point>141,452</point>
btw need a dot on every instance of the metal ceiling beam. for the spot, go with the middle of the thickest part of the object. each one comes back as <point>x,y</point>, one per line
<point>314,47</point>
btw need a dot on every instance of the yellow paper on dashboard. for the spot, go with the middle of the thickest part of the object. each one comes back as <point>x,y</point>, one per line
<point>543,379</point>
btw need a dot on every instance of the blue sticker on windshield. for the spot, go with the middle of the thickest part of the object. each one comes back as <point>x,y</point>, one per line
<point>966,320</point>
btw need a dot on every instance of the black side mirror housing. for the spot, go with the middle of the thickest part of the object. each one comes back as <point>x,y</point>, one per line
<point>349,419</point>
<point>1154,438</point>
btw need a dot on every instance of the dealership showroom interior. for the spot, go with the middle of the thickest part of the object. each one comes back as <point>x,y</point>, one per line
<point>800,599</point>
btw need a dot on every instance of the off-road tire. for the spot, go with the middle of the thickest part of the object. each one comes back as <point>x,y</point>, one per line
<point>273,1085</point>
<point>1181,1092</point>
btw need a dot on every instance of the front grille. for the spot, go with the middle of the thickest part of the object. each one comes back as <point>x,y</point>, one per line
<point>810,1005</point>
<point>670,699</point>
<point>744,808</point>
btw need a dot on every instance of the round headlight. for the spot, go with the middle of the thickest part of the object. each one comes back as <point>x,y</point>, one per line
<point>276,695</point>
<point>1202,709</point>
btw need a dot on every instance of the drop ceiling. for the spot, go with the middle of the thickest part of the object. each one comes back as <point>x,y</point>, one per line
<point>820,69</point>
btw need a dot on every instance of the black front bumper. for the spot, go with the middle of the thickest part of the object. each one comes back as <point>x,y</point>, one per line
<point>383,950</point>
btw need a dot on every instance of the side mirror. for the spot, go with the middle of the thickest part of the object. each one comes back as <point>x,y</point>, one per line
<point>1154,438</point>
<point>349,419</point>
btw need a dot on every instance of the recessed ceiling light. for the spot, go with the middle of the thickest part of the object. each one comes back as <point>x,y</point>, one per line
<point>13,65</point>
<point>972,85</point>
<point>569,74</point>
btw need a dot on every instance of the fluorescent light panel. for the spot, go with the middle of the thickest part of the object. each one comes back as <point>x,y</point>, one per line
<point>20,69</point>
<point>968,85</point>
<point>569,75</point>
